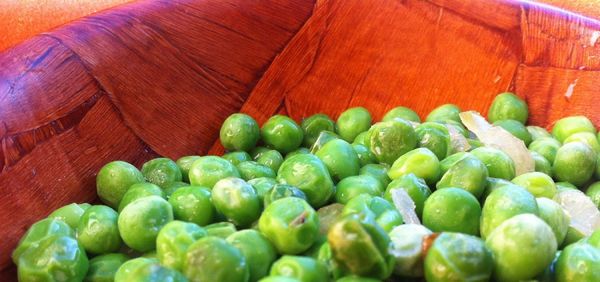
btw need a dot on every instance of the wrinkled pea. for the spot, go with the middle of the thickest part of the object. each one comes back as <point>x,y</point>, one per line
<point>161,171</point>
<point>391,139</point>
<point>435,137</point>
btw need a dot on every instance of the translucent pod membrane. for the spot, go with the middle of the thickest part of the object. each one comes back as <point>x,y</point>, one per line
<point>585,216</point>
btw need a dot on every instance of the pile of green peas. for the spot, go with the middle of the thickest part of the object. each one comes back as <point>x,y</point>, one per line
<point>314,202</point>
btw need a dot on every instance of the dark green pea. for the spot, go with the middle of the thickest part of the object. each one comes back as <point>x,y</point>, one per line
<point>37,232</point>
<point>340,159</point>
<point>407,249</point>
<point>515,128</point>
<point>458,257</point>
<point>208,170</point>
<point>114,179</point>
<point>444,113</point>
<point>291,224</point>
<point>507,105</point>
<point>193,204</point>
<point>361,139</point>
<point>256,152</point>
<point>415,188</point>
<point>578,262</point>
<point>365,156</point>
<point>250,170</point>
<point>537,183</point>
<point>360,246</point>
<point>328,215</point>
<point>262,186</point>
<point>140,190</point>
<point>323,138</point>
<point>103,268</point>
<point>469,174</point>
<point>538,132</point>
<point>403,113</point>
<point>593,191</point>
<point>279,191</point>
<point>553,214</point>
<point>498,163</point>
<point>353,186</point>
<point>568,126</point>
<point>257,250</point>
<point>173,241</point>
<point>504,203</point>
<point>546,147</point>
<point>435,137</point>
<point>298,151</point>
<point>304,269</point>
<point>214,259</point>
<point>161,171</point>
<point>421,162</point>
<point>309,174</point>
<point>391,139</point>
<point>184,164</point>
<point>575,163</point>
<point>146,269</point>
<point>312,127</point>
<point>140,222</point>
<point>97,231</point>
<point>220,229</point>
<point>70,214</point>
<point>282,134</point>
<point>384,213</point>
<point>237,200</point>
<point>53,258</point>
<point>237,157</point>
<point>378,171</point>
<point>541,164</point>
<point>271,158</point>
<point>452,210</point>
<point>239,132</point>
<point>585,137</point>
<point>352,122</point>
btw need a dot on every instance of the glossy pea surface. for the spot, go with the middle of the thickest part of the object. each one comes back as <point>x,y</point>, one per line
<point>208,170</point>
<point>391,139</point>
<point>162,172</point>
<point>140,190</point>
<point>97,231</point>
<point>403,113</point>
<point>114,179</point>
<point>239,132</point>
<point>237,200</point>
<point>452,210</point>
<point>340,159</point>
<point>304,269</point>
<point>421,162</point>
<point>256,248</point>
<point>282,134</point>
<point>354,186</point>
<point>193,204</point>
<point>507,105</point>
<point>352,122</point>
<point>313,126</point>
<point>104,267</point>
<point>140,222</point>
<point>415,187</point>
<point>214,259</point>
<point>173,241</point>
<point>309,174</point>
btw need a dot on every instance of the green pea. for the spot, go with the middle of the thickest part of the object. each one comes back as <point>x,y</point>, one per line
<point>340,159</point>
<point>575,163</point>
<point>444,113</point>
<point>256,152</point>
<point>435,137</point>
<point>452,210</point>
<point>161,171</point>
<point>585,137</point>
<point>421,162</point>
<point>384,213</point>
<point>140,222</point>
<point>451,160</point>
<point>324,138</point>
<point>352,122</point>
<point>208,170</point>
<point>309,174</point>
<point>220,229</point>
<point>279,191</point>
<point>546,147</point>
<point>568,126</point>
<point>594,239</point>
<point>257,250</point>
<point>407,249</point>
<point>365,156</point>
<point>114,179</point>
<point>469,174</point>
<point>282,134</point>
<point>104,267</point>
<point>538,132</point>
<point>353,278</point>
<point>537,183</point>
<point>564,185</point>
<point>237,157</point>
<point>360,246</point>
<point>515,128</point>
<point>415,188</point>
<point>239,132</point>
<point>354,186</point>
<point>39,231</point>
<point>237,200</point>
<point>504,203</point>
<point>325,256</point>
<point>70,214</point>
<point>312,127</point>
<point>140,190</point>
<point>493,184</point>
<point>361,139</point>
<point>497,162</point>
<point>54,258</point>
<point>97,231</point>
<point>184,164</point>
<point>270,158</point>
<point>279,279</point>
<point>403,113</point>
<point>250,170</point>
<point>553,214</point>
<point>298,151</point>
<point>597,171</point>
<point>508,242</point>
<point>291,224</point>
<point>304,269</point>
<point>214,259</point>
<point>262,186</point>
<point>541,164</point>
<point>474,143</point>
<point>507,105</point>
<point>573,236</point>
<point>578,262</point>
<point>173,241</point>
<point>378,171</point>
<point>593,191</point>
<point>193,204</point>
<point>173,187</point>
<point>391,139</point>
<point>458,257</point>
<point>146,269</point>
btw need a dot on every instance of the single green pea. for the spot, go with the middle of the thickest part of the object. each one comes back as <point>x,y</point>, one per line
<point>415,188</point>
<point>237,200</point>
<point>458,257</point>
<point>504,203</point>
<point>53,258</point>
<point>553,214</point>
<point>279,191</point>
<point>140,190</point>
<point>328,215</point>
<point>585,137</point>
<point>452,210</point>
<point>541,164</point>
<point>507,105</point>
<point>291,224</point>
<point>214,259</point>
<point>578,262</point>
<point>365,156</point>
<point>146,269</point>
<point>538,132</point>
<point>312,127</point>
<point>508,242</point>
<point>298,151</point>
<point>384,213</point>
<point>407,249</point>
<point>444,113</point>
<point>70,214</point>
<point>340,159</point>
<point>378,171</point>
<point>239,132</point>
<point>360,246</point>
<point>262,186</point>
<point>537,183</point>
<point>104,267</point>
<point>140,222</point>
<point>474,143</point>
<point>250,170</point>
<point>220,229</point>
<point>97,231</point>
<point>161,171</point>
<point>193,204</point>
<point>352,122</point>
<point>208,170</point>
<point>435,137</point>
<point>184,163</point>
<point>593,191</point>
<point>469,174</point>
<point>114,179</point>
<point>173,241</point>
<point>282,134</point>
<point>391,139</point>
<point>575,162</point>
<point>257,250</point>
<point>361,139</point>
<point>309,174</point>
<point>237,157</point>
<point>515,128</point>
<point>270,158</point>
<point>498,163</point>
<point>493,184</point>
<point>304,269</point>
<point>546,147</point>
<point>403,113</point>
<point>568,126</point>
<point>38,231</point>
<point>421,162</point>
<point>324,138</point>
<point>354,186</point>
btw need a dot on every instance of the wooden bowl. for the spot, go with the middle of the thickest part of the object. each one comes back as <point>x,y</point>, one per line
<point>158,78</point>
